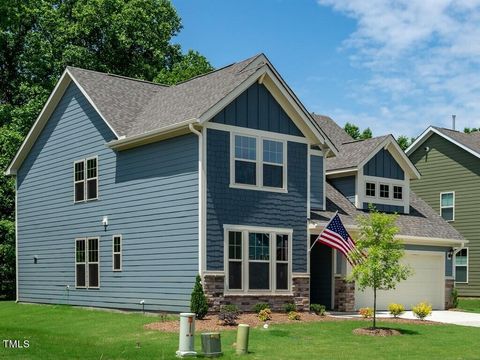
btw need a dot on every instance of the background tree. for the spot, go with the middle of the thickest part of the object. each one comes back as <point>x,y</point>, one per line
<point>468,130</point>
<point>354,131</point>
<point>404,141</point>
<point>380,269</point>
<point>39,38</point>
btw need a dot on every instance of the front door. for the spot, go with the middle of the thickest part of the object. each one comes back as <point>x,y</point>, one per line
<point>321,275</point>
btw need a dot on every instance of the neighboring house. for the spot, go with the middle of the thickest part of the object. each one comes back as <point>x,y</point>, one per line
<point>376,171</point>
<point>450,165</point>
<point>126,190</point>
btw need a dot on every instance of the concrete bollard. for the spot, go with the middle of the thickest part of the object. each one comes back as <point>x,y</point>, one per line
<point>186,345</point>
<point>242,339</point>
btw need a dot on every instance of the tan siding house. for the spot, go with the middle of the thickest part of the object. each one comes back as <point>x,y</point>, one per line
<point>450,183</point>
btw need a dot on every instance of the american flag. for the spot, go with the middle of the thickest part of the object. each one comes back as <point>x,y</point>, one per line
<point>336,236</point>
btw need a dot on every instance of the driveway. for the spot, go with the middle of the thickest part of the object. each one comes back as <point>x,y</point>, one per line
<point>441,316</point>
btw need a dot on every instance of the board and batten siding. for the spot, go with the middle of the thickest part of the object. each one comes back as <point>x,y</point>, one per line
<point>346,185</point>
<point>149,193</point>
<point>447,167</point>
<point>384,165</point>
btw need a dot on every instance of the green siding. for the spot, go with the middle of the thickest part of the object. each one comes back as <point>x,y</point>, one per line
<point>447,167</point>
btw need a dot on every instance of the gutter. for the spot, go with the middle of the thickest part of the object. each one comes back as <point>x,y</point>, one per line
<point>131,140</point>
<point>201,199</point>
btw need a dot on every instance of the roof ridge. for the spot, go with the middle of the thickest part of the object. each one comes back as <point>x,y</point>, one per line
<point>219,69</point>
<point>120,76</point>
<point>372,138</point>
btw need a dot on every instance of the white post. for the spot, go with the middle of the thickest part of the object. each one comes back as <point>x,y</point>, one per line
<point>187,335</point>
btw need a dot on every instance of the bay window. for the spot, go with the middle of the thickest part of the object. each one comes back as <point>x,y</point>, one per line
<point>257,260</point>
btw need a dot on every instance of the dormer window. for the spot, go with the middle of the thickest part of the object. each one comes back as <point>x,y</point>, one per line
<point>384,191</point>
<point>397,192</point>
<point>258,163</point>
<point>370,189</point>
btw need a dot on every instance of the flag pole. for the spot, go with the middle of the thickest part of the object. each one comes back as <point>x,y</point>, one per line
<point>311,247</point>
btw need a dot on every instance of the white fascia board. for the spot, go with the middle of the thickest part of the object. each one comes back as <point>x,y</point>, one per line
<point>44,116</point>
<point>39,123</point>
<point>429,132</point>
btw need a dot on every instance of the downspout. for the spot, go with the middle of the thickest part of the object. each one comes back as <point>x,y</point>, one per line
<point>200,198</point>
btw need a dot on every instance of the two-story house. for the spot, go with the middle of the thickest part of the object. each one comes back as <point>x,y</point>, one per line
<point>376,171</point>
<point>449,161</point>
<point>126,190</point>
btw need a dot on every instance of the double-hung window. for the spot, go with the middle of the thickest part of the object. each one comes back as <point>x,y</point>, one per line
<point>461,266</point>
<point>447,205</point>
<point>87,263</point>
<point>117,252</point>
<point>86,179</point>
<point>258,260</point>
<point>258,163</point>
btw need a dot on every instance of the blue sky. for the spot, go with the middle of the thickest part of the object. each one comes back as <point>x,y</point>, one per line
<point>394,66</point>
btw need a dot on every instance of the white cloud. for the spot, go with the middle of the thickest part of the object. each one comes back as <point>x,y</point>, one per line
<point>423,57</point>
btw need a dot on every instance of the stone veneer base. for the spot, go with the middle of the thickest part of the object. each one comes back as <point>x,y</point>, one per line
<point>214,285</point>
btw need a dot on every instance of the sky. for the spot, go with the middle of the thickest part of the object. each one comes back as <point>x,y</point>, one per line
<point>394,66</point>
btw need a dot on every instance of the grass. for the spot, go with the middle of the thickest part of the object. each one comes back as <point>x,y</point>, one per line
<point>61,332</point>
<point>469,304</point>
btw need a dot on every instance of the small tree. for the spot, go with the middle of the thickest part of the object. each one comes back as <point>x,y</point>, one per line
<point>198,300</point>
<point>380,269</point>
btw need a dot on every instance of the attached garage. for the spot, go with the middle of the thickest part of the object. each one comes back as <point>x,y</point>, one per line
<point>426,284</point>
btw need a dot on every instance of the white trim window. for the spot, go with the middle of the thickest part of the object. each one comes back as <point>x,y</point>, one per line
<point>87,263</point>
<point>85,179</point>
<point>80,263</point>
<point>370,189</point>
<point>384,191</point>
<point>258,163</point>
<point>398,192</point>
<point>447,205</point>
<point>461,266</point>
<point>258,260</point>
<point>117,252</point>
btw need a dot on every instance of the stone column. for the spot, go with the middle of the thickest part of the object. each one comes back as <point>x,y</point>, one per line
<point>449,286</point>
<point>344,295</point>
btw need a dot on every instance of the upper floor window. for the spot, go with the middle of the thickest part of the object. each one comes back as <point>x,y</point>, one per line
<point>370,189</point>
<point>384,191</point>
<point>397,192</point>
<point>86,179</point>
<point>258,163</point>
<point>461,266</point>
<point>447,205</point>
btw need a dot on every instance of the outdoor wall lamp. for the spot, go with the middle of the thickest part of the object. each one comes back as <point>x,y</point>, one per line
<point>450,254</point>
<point>35,259</point>
<point>105,222</point>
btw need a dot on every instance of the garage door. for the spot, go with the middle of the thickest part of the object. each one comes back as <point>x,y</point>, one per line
<point>426,284</point>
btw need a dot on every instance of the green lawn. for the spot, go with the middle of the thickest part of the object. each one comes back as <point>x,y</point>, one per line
<point>469,304</point>
<point>60,332</point>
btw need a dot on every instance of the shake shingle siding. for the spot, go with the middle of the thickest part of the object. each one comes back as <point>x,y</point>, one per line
<point>227,205</point>
<point>150,195</point>
<point>447,167</point>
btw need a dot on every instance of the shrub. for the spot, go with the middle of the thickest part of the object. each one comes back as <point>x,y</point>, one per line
<point>455,298</point>
<point>396,309</point>
<point>198,300</point>
<point>265,314</point>
<point>422,310</point>
<point>293,315</point>
<point>289,307</point>
<point>366,313</point>
<point>318,309</point>
<point>260,306</point>
<point>228,314</point>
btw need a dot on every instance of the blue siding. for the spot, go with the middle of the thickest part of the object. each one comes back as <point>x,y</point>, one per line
<point>346,186</point>
<point>257,109</point>
<point>150,195</point>
<point>226,205</point>
<point>383,165</point>
<point>386,208</point>
<point>448,263</point>
<point>316,182</point>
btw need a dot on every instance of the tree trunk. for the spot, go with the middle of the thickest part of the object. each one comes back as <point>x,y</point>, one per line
<point>374,307</point>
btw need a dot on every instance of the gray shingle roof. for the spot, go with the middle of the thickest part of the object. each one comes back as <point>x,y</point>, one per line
<point>471,141</point>
<point>422,221</point>
<point>351,152</point>
<point>133,107</point>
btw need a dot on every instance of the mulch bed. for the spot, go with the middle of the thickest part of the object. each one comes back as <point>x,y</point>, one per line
<point>211,322</point>
<point>377,332</point>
